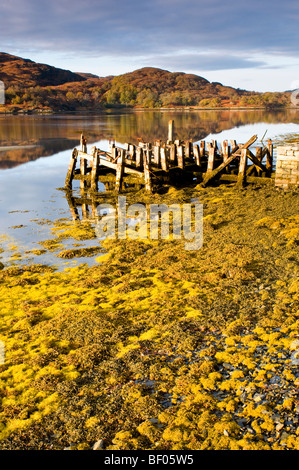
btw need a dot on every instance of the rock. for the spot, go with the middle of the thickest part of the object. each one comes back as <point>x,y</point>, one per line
<point>99,445</point>
<point>276,380</point>
<point>279,426</point>
<point>284,436</point>
<point>294,344</point>
<point>295,358</point>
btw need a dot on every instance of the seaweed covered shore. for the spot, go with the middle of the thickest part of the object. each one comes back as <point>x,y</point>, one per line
<point>157,347</point>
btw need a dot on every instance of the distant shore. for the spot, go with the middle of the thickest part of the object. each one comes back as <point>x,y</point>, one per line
<point>24,111</point>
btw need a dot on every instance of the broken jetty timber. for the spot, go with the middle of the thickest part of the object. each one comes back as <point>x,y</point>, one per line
<point>151,165</point>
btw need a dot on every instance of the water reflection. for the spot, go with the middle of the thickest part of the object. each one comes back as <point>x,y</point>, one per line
<point>27,138</point>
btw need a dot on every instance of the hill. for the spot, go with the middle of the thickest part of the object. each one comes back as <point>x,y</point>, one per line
<point>17,71</point>
<point>34,87</point>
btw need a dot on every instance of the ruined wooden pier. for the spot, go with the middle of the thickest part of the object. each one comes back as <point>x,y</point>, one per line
<point>171,162</point>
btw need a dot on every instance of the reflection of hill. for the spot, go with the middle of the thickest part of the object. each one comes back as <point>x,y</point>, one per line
<point>152,125</point>
<point>51,134</point>
<point>28,152</point>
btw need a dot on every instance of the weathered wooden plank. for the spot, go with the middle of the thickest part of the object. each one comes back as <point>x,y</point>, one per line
<point>196,154</point>
<point>212,174</point>
<point>187,150</point>
<point>164,162</point>
<point>172,153</point>
<point>202,149</point>
<point>156,155</point>
<point>256,161</point>
<point>139,157</point>
<point>147,170</point>
<point>180,156</point>
<point>269,161</point>
<point>211,159</point>
<point>83,170</point>
<point>71,169</point>
<point>241,181</point>
<point>94,171</point>
<point>83,144</point>
<point>170,130</point>
<point>119,171</point>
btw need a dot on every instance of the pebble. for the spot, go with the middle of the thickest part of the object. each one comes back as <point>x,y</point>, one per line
<point>99,445</point>
<point>294,344</point>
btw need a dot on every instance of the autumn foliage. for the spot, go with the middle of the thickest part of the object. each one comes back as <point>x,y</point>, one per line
<point>33,86</point>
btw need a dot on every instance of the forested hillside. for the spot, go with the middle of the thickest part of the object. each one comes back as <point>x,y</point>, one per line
<point>31,87</point>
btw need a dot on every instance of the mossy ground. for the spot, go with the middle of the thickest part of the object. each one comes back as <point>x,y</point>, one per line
<point>156,347</point>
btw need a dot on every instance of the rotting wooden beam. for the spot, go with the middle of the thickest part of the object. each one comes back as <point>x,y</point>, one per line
<point>211,158</point>
<point>71,169</point>
<point>83,144</point>
<point>163,159</point>
<point>180,156</point>
<point>170,130</point>
<point>94,171</point>
<point>139,158</point>
<point>147,170</point>
<point>119,171</point>
<point>202,149</point>
<point>241,181</point>
<point>172,153</point>
<point>212,174</point>
<point>196,154</point>
<point>156,155</point>
<point>269,162</point>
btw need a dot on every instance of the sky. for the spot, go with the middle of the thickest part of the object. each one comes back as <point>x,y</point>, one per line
<point>247,44</point>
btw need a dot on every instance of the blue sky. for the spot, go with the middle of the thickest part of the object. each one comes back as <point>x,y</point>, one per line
<point>247,44</point>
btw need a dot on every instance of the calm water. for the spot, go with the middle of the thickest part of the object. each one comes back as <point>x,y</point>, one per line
<point>35,152</point>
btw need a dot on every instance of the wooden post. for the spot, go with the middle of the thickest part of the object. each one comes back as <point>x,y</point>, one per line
<point>212,174</point>
<point>172,153</point>
<point>120,170</point>
<point>146,170</point>
<point>187,150</point>
<point>202,149</point>
<point>233,144</point>
<point>241,181</point>
<point>180,156</point>
<point>211,159</point>
<point>72,205</point>
<point>94,171</point>
<point>164,163</point>
<point>114,154</point>
<point>259,156</point>
<point>269,157</point>
<point>170,130</point>
<point>131,151</point>
<point>83,168</point>
<point>196,154</point>
<point>157,155</point>
<point>139,157</point>
<point>83,144</point>
<point>225,153</point>
<point>71,169</point>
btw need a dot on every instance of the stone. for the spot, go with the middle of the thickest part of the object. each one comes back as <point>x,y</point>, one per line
<point>294,344</point>
<point>99,445</point>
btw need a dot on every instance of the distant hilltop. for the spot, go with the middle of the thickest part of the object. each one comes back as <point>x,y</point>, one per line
<point>31,86</point>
